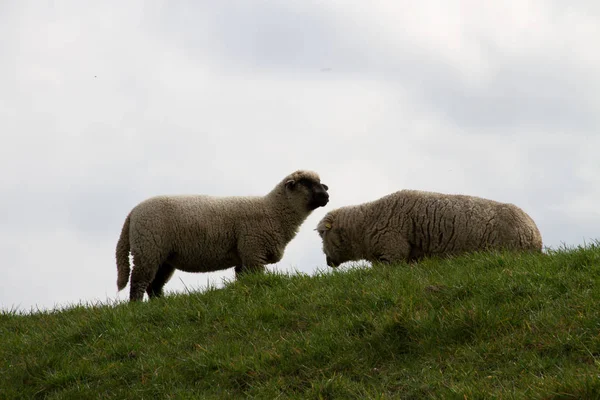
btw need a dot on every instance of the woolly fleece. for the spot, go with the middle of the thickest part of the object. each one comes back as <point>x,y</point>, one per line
<point>198,233</point>
<point>408,225</point>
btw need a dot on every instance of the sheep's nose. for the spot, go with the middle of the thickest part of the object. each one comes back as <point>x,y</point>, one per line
<point>322,194</point>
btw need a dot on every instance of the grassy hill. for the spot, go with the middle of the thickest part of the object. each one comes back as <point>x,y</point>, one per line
<point>473,327</point>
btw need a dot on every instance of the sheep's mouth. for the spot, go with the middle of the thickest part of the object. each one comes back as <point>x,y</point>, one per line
<point>319,199</point>
<point>330,262</point>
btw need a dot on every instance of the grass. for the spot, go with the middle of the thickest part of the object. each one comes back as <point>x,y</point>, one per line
<point>490,325</point>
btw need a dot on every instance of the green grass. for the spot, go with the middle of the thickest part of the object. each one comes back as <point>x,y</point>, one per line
<point>492,325</point>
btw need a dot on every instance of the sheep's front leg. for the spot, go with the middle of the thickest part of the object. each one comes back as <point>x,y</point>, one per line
<point>244,269</point>
<point>254,254</point>
<point>391,248</point>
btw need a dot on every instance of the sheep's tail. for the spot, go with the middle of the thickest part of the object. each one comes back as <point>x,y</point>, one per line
<point>122,254</point>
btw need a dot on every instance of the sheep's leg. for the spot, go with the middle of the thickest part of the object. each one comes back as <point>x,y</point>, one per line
<point>139,283</point>
<point>164,273</point>
<point>243,269</point>
<point>142,275</point>
<point>393,249</point>
<point>252,259</point>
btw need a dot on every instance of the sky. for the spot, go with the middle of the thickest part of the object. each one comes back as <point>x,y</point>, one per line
<point>105,104</point>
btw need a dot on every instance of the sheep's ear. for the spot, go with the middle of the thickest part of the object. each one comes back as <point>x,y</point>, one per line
<point>323,226</point>
<point>290,184</point>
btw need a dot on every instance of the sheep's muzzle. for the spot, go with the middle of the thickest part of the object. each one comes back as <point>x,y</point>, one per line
<point>330,262</point>
<point>320,197</point>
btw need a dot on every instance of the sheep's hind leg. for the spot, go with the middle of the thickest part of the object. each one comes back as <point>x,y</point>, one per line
<point>142,275</point>
<point>164,273</point>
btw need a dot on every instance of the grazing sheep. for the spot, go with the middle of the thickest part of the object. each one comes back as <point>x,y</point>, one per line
<point>408,225</point>
<point>203,233</point>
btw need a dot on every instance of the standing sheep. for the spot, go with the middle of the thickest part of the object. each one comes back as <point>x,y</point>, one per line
<point>199,233</point>
<point>408,225</point>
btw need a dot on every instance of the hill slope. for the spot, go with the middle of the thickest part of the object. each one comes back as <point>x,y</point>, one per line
<point>470,327</point>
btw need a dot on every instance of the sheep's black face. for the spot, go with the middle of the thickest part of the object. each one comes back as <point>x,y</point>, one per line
<point>316,191</point>
<point>335,246</point>
<point>319,197</point>
<point>335,249</point>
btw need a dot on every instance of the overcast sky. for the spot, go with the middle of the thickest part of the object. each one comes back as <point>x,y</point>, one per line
<point>103,104</point>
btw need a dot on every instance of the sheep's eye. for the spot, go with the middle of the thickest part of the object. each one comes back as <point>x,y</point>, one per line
<point>311,185</point>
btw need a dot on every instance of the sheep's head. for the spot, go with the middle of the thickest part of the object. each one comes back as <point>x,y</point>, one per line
<point>336,245</point>
<point>307,186</point>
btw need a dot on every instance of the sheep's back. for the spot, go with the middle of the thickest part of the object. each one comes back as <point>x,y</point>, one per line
<point>436,223</point>
<point>197,229</point>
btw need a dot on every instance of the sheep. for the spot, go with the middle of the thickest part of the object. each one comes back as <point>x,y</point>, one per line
<point>199,233</point>
<point>409,225</point>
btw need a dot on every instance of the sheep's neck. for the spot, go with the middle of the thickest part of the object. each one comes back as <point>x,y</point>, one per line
<point>289,216</point>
